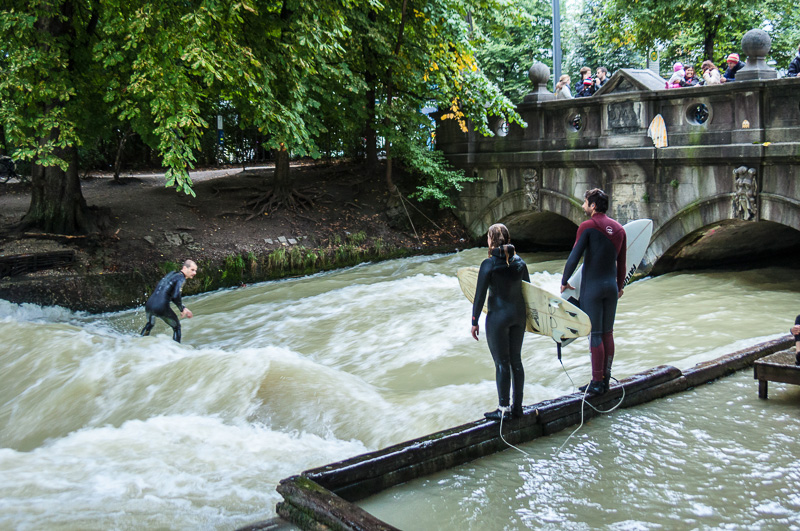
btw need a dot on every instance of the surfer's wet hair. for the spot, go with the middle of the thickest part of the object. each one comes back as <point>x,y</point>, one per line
<point>500,239</point>
<point>597,197</point>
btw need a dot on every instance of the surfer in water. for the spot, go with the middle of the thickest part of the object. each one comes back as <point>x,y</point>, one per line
<point>602,243</point>
<point>501,275</point>
<point>169,290</point>
<point>795,331</point>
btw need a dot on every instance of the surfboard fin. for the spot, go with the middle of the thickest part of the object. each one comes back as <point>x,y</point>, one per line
<point>569,340</point>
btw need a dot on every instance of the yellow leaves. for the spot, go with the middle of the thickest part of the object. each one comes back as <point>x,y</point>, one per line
<point>456,115</point>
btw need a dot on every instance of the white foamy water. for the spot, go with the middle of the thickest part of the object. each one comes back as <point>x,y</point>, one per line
<point>102,429</point>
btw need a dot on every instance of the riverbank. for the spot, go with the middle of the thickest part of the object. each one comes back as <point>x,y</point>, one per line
<point>149,229</point>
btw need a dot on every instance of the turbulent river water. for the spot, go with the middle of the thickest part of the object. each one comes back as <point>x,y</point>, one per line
<point>102,429</point>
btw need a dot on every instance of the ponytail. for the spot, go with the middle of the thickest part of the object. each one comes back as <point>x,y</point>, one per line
<point>509,252</point>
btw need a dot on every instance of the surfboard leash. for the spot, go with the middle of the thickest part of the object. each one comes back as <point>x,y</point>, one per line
<point>583,404</point>
<point>503,411</point>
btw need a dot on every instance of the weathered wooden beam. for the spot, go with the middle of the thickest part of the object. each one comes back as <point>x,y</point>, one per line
<point>310,506</point>
<point>431,447</point>
<point>730,363</point>
<point>369,486</point>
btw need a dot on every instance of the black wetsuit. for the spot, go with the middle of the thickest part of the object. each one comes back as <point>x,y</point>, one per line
<point>505,320</point>
<point>168,290</point>
<point>602,242</point>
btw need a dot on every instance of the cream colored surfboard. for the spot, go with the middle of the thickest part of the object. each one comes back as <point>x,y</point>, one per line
<point>547,314</point>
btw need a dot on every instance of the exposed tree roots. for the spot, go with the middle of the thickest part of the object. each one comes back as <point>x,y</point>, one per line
<point>276,200</point>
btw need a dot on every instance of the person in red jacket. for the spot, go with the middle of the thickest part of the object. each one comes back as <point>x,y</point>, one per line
<point>602,243</point>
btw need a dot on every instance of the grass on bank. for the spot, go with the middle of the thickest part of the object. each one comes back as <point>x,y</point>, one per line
<point>286,261</point>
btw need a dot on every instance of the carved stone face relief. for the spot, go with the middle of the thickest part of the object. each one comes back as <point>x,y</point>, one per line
<point>745,196</point>
<point>531,180</point>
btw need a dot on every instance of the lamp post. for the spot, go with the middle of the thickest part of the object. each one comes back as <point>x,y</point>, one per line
<point>556,41</point>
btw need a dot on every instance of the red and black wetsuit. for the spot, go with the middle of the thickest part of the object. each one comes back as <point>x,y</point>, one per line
<point>168,290</point>
<point>602,243</point>
<point>505,320</point>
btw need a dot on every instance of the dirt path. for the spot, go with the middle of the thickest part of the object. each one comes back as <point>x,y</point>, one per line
<point>150,224</point>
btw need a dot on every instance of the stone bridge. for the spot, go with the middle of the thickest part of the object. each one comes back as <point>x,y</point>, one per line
<point>725,187</point>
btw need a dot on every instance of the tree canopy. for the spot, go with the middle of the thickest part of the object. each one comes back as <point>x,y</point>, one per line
<point>345,76</point>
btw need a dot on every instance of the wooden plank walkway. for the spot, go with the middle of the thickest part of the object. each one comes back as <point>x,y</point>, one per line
<point>778,367</point>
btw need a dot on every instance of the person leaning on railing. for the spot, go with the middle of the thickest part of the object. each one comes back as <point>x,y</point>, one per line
<point>794,66</point>
<point>690,79</point>
<point>562,88</point>
<point>711,74</point>
<point>734,65</point>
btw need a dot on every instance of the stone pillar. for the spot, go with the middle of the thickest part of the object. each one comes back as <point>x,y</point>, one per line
<point>539,74</point>
<point>755,44</point>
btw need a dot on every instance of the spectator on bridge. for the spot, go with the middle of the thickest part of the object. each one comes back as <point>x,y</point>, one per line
<point>587,89</point>
<point>794,66</point>
<point>582,88</point>
<point>711,75</point>
<point>734,65</point>
<point>601,77</point>
<point>690,80</point>
<point>678,76</point>
<point>562,88</point>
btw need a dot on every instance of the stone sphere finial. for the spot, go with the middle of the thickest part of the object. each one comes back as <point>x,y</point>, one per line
<point>539,74</point>
<point>756,43</point>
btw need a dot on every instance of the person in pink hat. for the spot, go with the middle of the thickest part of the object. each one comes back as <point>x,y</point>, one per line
<point>734,65</point>
<point>678,76</point>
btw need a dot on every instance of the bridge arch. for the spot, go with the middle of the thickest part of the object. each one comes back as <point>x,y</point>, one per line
<point>704,235</point>
<point>546,222</point>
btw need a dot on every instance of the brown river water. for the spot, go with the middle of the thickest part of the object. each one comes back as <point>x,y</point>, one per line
<point>102,429</point>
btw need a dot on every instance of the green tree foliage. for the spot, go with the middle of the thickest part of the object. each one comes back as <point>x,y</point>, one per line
<point>584,34</point>
<point>510,40</point>
<point>694,31</point>
<point>303,72</point>
<point>154,65</point>
<point>424,55</point>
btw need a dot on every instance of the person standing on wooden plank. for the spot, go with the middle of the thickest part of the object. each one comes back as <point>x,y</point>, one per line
<point>169,290</point>
<point>602,243</point>
<point>795,330</point>
<point>501,275</point>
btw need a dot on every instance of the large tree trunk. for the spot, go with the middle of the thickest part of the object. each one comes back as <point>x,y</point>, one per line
<point>389,92</point>
<point>711,27</point>
<point>282,181</point>
<point>120,148</point>
<point>57,204</point>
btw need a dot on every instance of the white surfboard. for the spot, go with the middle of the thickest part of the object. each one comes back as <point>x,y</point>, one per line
<point>637,235</point>
<point>547,314</point>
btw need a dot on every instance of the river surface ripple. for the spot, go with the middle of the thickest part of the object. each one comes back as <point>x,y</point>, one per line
<point>102,429</point>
